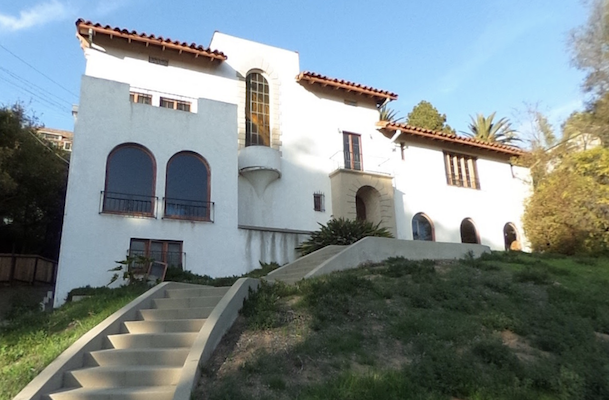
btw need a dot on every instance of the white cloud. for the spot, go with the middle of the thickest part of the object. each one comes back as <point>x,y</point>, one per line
<point>37,15</point>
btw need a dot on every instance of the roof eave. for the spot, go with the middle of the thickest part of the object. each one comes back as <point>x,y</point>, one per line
<point>147,40</point>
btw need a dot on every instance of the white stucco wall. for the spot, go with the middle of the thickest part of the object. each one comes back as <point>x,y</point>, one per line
<point>308,123</point>
<point>92,242</point>
<point>420,184</point>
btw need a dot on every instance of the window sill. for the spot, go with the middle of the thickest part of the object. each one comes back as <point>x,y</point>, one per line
<point>191,219</point>
<point>128,214</point>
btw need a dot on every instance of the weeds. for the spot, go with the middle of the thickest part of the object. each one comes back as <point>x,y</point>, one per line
<point>404,330</point>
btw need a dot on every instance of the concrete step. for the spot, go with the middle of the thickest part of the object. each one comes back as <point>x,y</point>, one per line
<point>197,292</point>
<point>175,313</point>
<point>123,376</point>
<point>150,340</point>
<point>168,325</point>
<point>121,393</point>
<point>187,302</point>
<point>172,357</point>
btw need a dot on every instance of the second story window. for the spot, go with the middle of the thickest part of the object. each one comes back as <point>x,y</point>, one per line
<point>257,111</point>
<point>461,170</point>
<point>140,98</point>
<point>352,148</point>
<point>175,104</point>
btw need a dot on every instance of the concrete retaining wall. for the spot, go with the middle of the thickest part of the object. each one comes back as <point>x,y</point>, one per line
<point>375,249</point>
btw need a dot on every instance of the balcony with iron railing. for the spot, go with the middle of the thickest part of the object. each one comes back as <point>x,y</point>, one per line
<point>128,204</point>
<point>189,209</point>
<point>346,160</point>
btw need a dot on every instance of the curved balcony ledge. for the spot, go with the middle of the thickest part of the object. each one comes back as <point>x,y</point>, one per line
<point>260,165</point>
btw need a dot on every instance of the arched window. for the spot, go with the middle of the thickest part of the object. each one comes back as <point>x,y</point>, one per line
<point>257,111</point>
<point>510,237</point>
<point>187,187</point>
<point>130,177</point>
<point>422,228</point>
<point>469,233</point>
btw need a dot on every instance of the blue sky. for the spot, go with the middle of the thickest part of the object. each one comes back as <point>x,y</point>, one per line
<point>465,57</point>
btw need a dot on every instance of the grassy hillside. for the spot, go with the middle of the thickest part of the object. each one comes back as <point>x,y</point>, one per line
<point>509,326</point>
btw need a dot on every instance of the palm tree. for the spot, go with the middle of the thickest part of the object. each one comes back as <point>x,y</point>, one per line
<point>388,114</point>
<point>484,128</point>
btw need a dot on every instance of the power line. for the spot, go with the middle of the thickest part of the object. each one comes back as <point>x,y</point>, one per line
<point>33,85</point>
<point>49,102</point>
<point>37,70</point>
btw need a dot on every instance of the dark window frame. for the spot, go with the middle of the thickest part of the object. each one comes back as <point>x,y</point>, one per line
<point>352,159</point>
<point>112,153</point>
<point>319,202</point>
<point>461,170</point>
<point>257,106</point>
<point>140,98</point>
<point>431,225</point>
<point>164,252</point>
<point>208,202</point>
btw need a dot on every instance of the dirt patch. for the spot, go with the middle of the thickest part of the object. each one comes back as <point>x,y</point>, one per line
<point>523,350</point>
<point>602,336</point>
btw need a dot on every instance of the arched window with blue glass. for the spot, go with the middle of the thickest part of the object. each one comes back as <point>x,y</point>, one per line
<point>422,228</point>
<point>187,187</point>
<point>130,178</point>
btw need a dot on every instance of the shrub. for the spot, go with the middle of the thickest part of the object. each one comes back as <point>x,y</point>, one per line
<point>341,231</point>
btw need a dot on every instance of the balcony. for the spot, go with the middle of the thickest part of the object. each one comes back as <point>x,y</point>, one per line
<point>346,160</point>
<point>128,204</point>
<point>192,210</point>
<point>260,165</point>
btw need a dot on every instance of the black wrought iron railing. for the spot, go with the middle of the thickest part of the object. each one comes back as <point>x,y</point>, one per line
<point>189,209</point>
<point>126,203</point>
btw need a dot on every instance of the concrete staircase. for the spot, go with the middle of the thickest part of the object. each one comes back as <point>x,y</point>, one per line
<point>298,269</point>
<point>145,360</point>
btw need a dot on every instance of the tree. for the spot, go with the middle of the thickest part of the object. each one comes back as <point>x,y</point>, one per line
<point>486,129</point>
<point>33,179</point>
<point>388,114</point>
<point>569,211</point>
<point>425,115</point>
<point>589,47</point>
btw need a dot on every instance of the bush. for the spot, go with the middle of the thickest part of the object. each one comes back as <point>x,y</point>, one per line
<point>342,232</point>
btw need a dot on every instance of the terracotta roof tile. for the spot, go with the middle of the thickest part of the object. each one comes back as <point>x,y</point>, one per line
<point>450,138</point>
<point>315,78</point>
<point>160,41</point>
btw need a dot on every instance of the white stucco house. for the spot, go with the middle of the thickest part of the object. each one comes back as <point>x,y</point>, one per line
<point>214,160</point>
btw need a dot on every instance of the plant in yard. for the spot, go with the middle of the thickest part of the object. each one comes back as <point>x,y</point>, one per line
<point>341,231</point>
<point>134,269</point>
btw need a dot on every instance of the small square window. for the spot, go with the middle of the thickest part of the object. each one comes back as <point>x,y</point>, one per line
<point>140,98</point>
<point>166,103</point>
<point>319,202</point>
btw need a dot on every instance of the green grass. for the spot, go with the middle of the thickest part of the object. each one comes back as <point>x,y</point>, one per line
<point>32,339</point>
<point>506,326</point>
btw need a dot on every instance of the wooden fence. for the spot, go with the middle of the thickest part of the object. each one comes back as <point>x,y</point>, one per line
<point>27,268</point>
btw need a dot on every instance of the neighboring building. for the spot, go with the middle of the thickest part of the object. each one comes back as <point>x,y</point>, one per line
<point>58,138</point>
<point>214,160</point>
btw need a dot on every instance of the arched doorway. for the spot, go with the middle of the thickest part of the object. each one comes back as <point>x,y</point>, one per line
<point>368,204</point>
<point>469,233</point>
<point>510,237</point>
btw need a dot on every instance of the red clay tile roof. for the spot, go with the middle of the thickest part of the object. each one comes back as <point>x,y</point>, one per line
<point>83,27</point>
<point>377,94</point>
<point>450,138</point>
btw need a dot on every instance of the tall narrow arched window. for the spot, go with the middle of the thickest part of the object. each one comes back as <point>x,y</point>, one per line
<point>257,110</point>
<point>130,177</point>
<point>422,228</point>
<point>469,233</point>
<point>187,187</point>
